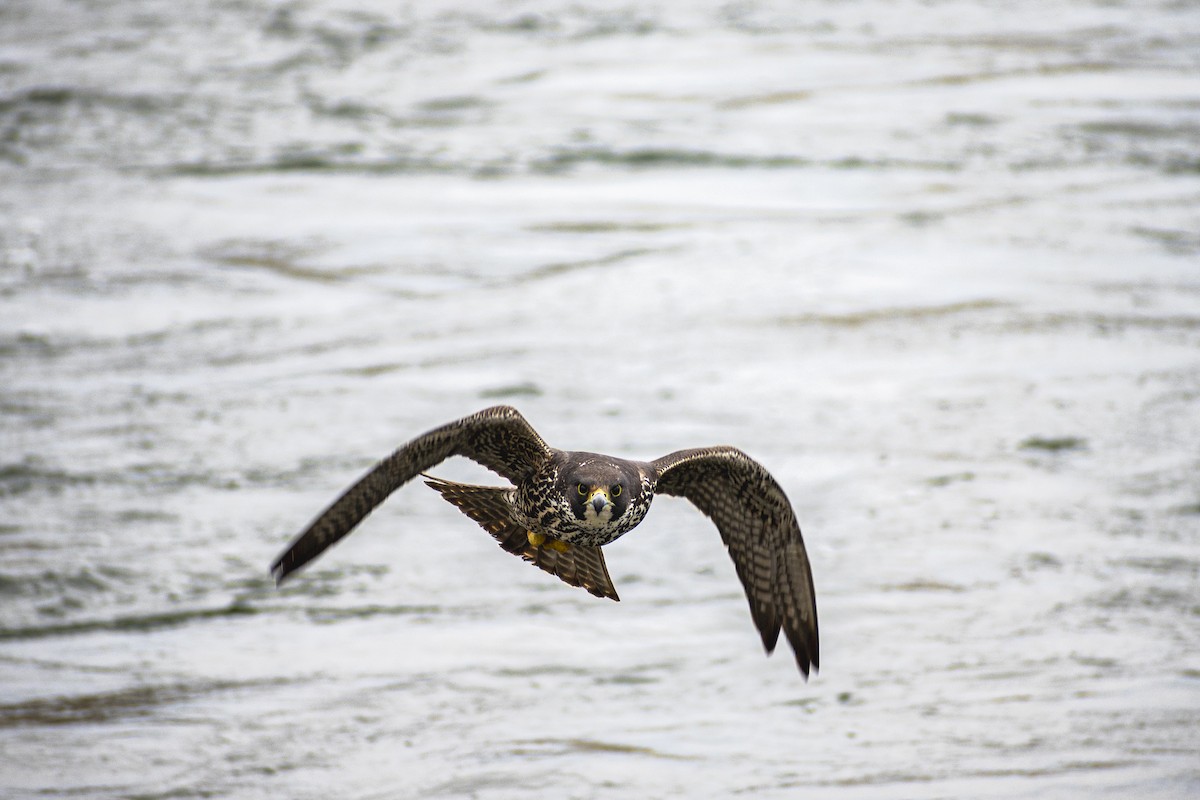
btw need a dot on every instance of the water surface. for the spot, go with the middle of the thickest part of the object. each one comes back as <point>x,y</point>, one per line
<point>936,266</point>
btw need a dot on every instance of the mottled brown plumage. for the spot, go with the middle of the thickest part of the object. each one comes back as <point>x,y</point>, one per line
<point>491,507</point>
<point>564,506</point>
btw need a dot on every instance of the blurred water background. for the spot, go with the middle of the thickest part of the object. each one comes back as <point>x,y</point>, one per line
<point>936,264</point>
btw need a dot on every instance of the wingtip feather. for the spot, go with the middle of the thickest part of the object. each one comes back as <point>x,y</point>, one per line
<point>278,573</point>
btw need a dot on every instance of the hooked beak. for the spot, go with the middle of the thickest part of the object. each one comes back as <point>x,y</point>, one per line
<point>599,499</point>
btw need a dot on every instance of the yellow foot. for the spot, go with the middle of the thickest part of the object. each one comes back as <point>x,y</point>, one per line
<point>539,539</point>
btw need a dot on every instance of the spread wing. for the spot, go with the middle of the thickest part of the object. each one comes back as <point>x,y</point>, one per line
<point>759,528</point>
<point>499,438</point>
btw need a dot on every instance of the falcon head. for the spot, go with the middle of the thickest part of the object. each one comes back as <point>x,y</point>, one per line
<point>599,490</point>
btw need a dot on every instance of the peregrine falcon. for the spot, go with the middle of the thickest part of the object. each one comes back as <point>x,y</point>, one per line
<point>564,506</point>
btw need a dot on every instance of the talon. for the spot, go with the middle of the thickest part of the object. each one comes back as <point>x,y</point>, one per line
<point>540,539</point>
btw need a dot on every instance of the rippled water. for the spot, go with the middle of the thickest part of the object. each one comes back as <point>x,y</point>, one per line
<point>935,264</point>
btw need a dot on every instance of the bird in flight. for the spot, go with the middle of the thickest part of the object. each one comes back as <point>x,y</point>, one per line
<point>563,506</point>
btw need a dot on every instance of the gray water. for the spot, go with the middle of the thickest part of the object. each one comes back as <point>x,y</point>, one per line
<point>936,265</point>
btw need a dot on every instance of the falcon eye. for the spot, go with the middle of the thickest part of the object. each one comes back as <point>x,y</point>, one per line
<point>581,488</point>
<point>616,490</point>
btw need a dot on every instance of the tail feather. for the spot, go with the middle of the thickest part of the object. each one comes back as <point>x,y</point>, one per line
<point>490,507</point>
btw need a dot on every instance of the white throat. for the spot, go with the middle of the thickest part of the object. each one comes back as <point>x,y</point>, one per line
<point>594,519</point>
